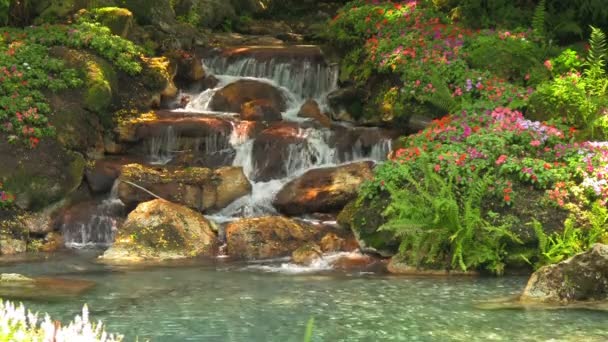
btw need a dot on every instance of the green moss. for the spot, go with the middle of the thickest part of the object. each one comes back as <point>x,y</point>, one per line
<point>101,80</point>
<point>119,20</point>
<point>364,217</point>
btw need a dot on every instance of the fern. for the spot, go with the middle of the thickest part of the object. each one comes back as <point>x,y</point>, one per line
<point>437,227</point>
<point>442,97</point>
<point>538,21</point>
<point>598,52</point>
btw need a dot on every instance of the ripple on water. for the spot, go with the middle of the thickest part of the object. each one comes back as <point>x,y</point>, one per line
<point>234,303</point>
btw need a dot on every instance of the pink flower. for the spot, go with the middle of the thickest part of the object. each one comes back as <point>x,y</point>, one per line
<point>535,143</point>
<point>548,65</point>
<point>501,159</point>
<point>437,167</point>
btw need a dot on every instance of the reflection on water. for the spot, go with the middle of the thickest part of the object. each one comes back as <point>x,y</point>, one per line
<point>217,301</point>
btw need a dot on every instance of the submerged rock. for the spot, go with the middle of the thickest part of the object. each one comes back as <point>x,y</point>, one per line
<point>267,237</point>
<point>17,286</point>
<point>584,277</point>
<point>159,230</point>
<point>398,266</point>
<point>232,97</point>
<point>306,254</point>
<point>196,187</point>
<point>323,190</point>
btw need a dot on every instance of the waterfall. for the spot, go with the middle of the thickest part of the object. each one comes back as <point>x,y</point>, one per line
<point>308,77</point>
<point>161,149</point>
<point>96,228</point>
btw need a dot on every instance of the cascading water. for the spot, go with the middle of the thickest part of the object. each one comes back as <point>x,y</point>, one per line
<point>300,79</point>
<point>306,77</point>
<point>96,228</point>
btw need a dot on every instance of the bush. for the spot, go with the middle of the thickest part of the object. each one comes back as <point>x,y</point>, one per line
<point>27,69</point>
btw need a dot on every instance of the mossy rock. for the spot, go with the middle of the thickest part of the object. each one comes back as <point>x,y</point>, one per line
<point>364,217</point>
<point>40,176</point>
<point>159,230</point>
<point>119,20</point>
<point>100,81</point>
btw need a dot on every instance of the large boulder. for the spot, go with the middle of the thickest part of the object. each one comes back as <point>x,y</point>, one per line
<point>20,287</point>
<point>232,97</point>
<point>267,237</point>
<point>198,188</point>
<point>323,190</point>
<point>39,176</point>
<point>159,230</point>
<point>584,277</point>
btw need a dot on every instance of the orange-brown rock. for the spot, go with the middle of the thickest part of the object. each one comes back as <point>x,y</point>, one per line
<point>267,237</point>
<point>232,97</point>
<point>323,190</point>
<point>310,109</point>
<point>196,187</point>
<point>260,110</point>
<point>272,147</point>
<point>160,230</point>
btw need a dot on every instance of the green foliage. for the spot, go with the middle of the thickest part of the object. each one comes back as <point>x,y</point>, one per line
<point>28,69</point>
<point>573,239</point>
<point>507,56</point>
<point>4,8</point>
<point>580,98</point>
<point>539,21</point>
<point>309,328</point>
<point>596,59</point>
<point>440,224</point>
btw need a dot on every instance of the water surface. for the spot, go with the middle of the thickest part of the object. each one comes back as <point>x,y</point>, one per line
<point>239,302</point>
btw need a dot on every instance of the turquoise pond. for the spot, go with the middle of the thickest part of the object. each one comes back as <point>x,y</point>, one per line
<point>252,302</point>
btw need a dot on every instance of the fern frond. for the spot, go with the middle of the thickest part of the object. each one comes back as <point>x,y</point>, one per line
<point>598,53</point>
<point>538,21</point>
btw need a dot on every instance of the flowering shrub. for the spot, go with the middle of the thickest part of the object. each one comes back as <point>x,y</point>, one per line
<point>18,325</point>
<point>26,70</point>
<point>506,152</point>
<point>6,198</point>
<point>435,59</point>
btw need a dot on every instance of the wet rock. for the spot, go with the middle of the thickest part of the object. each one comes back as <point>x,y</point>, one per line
<point>210,82</point>
<point>206,13</point>
<point>323,190</point>
<point>159,230</point>
<point>232,97</point>
<point>273,147</point>
<point>363,142</point>
<point>198,188</point>
<point>584,277</point>
<point>306,254</point>
<point>310,109</point>
<point>42,222</point>
<point>156,124</point>
<point>397,266</point>
<point>267,237</point>
<point>189,67</point>
<point>11,246</point>
<point>101,176</point>
<point>357,261</point>
<point>53,242</point>
<point>334,243</point>
<point>344,97</point>
<point>17,286</point>
<point>260,110</point>
<point>39,176</point>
